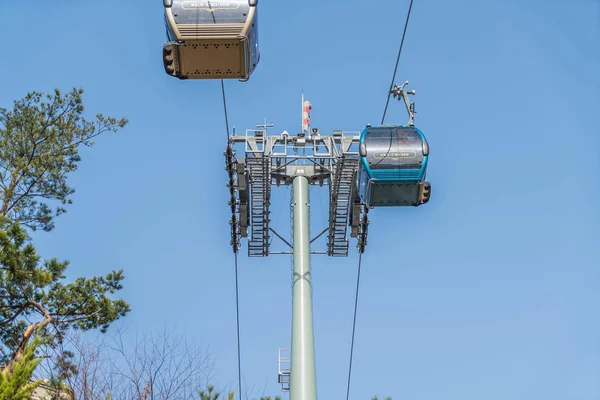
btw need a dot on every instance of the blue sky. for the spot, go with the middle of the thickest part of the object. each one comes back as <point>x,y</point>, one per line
<point>490,291</point>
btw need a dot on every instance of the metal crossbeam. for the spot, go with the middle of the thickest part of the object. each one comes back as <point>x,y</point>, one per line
<point>273,160</point>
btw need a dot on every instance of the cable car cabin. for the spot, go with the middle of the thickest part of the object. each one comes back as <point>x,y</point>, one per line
<point>393,164</point>
<point>211,39</point>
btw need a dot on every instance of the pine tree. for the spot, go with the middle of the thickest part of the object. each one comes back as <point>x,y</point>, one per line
<point>17,384</point>
<point>209,395</point>
<point>36,292</point>
<point>39,146</point>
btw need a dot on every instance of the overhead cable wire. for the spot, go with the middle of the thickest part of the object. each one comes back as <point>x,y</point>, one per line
<point>225,108</point>
<point>354,325</point>
<point>237,313</point>
<point>237,291</point>
<point>397,62</point>
<point>360,254</point>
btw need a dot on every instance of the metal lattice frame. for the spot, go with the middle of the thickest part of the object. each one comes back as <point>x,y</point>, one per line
<point>274,160</point>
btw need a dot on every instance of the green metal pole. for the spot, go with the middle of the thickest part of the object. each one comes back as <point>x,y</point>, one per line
<point>303,379</point>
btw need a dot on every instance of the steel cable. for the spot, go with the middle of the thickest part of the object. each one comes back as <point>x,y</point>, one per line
<point>360,254</point>
<point>397,62</point>
<point>354,325</point>
<point>237,301</point>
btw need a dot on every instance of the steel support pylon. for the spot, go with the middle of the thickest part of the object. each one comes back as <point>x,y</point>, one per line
<point>303,376</point>
<point>301,160</point>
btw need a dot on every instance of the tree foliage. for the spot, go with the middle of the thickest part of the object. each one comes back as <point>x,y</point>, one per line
<point>35,297</point>
<point>40,139</point>
<point>152,366</point>
<point>39,146</point>
<point>209,395</point>
<point>18,384</point>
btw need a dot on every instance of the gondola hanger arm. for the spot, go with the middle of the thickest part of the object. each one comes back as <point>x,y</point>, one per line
<point>399,92</point>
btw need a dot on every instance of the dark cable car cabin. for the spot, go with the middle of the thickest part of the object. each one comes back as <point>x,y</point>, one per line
<point>211,40</point>
<point>393,164</point>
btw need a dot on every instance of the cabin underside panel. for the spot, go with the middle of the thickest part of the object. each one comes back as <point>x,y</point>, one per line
<point>208,59</point>
<point>382,193</point>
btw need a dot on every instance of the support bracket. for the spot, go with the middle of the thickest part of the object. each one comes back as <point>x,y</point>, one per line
<point>399,93</point>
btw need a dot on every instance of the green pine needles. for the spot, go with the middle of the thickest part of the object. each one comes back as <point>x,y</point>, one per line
<point>40,140</point>
<point>209,395</point>
<point>34,296</point>
<point>39,146</point>
<point>17,384</point>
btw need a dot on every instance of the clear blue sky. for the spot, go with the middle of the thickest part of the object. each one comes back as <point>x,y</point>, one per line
<point>490,291</point>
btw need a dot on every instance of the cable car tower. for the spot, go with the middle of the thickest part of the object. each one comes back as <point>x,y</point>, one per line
<point>298,160</point>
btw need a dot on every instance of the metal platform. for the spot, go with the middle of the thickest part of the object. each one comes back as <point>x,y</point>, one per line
<point>271,161</point>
